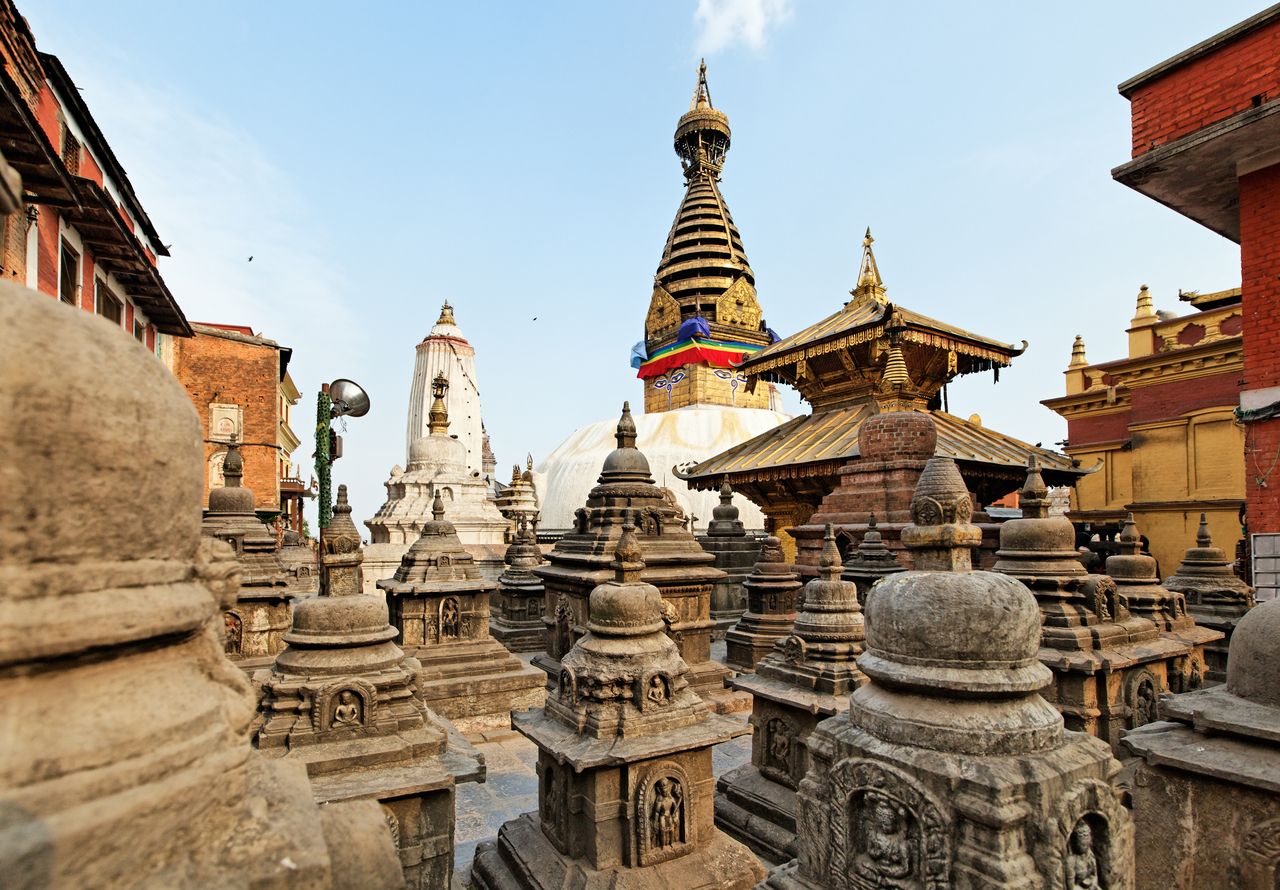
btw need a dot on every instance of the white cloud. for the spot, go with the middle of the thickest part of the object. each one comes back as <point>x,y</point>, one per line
<point>725,22</point>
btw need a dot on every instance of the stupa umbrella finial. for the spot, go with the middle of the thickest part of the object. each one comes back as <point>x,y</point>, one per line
<point>438,416</point>
<point>870,285</point>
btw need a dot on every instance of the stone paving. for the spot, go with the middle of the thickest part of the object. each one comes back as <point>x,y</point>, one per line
<point>512,785</point>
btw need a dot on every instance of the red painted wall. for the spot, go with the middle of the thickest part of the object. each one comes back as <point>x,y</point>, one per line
<point>1162,401</point>
<point>1208,89</point>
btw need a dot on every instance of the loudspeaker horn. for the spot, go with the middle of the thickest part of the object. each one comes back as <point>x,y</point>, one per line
<point>349,398</point>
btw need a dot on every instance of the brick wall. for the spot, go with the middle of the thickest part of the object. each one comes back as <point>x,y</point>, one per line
<point>1089,430</point>
<point>1207,89</point>
<point>213,369</point>
<point>1260,290</point>
<point>1162,401</point>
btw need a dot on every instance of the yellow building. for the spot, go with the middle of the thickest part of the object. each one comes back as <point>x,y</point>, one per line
<point>1160,422</point>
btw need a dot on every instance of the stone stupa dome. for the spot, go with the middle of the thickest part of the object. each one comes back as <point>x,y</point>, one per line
<point>1253,662</point>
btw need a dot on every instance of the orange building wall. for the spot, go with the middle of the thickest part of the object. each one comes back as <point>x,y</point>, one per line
<point>213,369</point>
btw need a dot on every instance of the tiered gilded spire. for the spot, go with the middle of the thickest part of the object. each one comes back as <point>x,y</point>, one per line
<point>870,286</point>
<point>438,416</point>
<point>704,256</point>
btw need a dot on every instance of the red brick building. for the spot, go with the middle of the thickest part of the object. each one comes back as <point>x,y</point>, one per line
<point>239,382</point>
<point>82,237</point>
<point>1206,143</point>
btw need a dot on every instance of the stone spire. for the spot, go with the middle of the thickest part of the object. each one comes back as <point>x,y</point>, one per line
<point>724,517</point>
<point>446,351</point>
<point>870,562</point>
<point>1216,598</point>
<point>518,603</point>
<point>1137,578</point>
<point>735,552</point>
<point>952,658</point>
<point>626,464</point>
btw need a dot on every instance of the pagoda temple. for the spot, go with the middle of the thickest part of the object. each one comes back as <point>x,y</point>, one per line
<point>703,318</point>
<point>871,357</point>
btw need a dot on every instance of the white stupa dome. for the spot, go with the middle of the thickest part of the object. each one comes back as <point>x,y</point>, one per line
<point>668,439</point>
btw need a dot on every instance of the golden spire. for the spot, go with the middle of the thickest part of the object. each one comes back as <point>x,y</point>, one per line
<point>438,416</point>
<point>1146,307</point>
<point>870,286</point>
<point>446,314</point>
<point>701,92</point>
<point>1077,353</point>
<point>895,369</point>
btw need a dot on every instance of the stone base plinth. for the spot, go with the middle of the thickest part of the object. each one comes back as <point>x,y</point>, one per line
<point>477,684</point>
<point>757,811</point>
<point>710,679</point>
<point>752,638</point>
<point>523,858</point>
<point>528,636</point>
<point>727,605</point>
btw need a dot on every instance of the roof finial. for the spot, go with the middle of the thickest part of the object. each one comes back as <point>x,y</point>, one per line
<point>1146,307</point>
<point>895,369</point>
<point>446,314</point>
<point>1077,353</point>
<point>438,416</point>
<point>870,285</point>
<point>701,92</point>
<point>626,434</point>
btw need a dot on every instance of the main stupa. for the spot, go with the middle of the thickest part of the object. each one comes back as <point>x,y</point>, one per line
<point>703,318</point>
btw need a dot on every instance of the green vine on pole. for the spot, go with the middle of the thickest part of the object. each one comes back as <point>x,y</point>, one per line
<point>324,466</point>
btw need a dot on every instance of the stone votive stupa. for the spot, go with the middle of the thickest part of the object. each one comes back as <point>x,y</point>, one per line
<point>518,502</point>
<point>1206,788</point>
<point>255,625</point>
<point>772,589</point>
<point>343,700</point>
<point>805,680</point>
<point>625,790</point>
<point>439,605</point>
<point>872,561</point>
<point>674,563</point>
<point>949,770</point>
<point>516,621</point>
<point>736,552</point>
<point>1109,666</point>
<point>1216,598</point>
<point>125,761</point>
<point>1139,586</point>
<point>299,560</point>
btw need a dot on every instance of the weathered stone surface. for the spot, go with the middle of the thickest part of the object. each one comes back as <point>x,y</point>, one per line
<point>624,766</point>
<point>949,769</point>
<point>440,608</point>
<point>345,701</point>
<point>1216,598</point>
<point>255,624</point>
<point>772,589</point>
<point>126,762</point>
<point>674,563</point>
<point>870,562</point>
<point>1109,666</point>
<point>1206,786</point>
<point>735,552</point>
<point>518,602</point>
<point>806,679</point>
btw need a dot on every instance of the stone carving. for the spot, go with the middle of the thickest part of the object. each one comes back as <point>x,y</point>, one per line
<point>888,818</point>
<point>564,625</point>
<point>450,618</point>
<point>778,746</point>
<point>885,850</point>
<point>1143,699</point>
<point>1082,859</point>
<point>393,825</point>
<point>660,814</point>
<point>738,306</point>
<point>233,633</point>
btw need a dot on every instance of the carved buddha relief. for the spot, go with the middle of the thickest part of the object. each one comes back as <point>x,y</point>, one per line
<point>662,816</point>
<point>886,850</point>
<point>1082,859</point>
<point>778,760</point>
<point>450,618</point>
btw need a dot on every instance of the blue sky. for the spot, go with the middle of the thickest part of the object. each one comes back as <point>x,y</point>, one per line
<point>516,159</point>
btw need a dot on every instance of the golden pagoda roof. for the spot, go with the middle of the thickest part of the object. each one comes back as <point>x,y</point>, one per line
<point>833,436</point>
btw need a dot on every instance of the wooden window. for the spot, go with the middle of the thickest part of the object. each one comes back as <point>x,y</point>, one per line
<point>109,305</point>
<point>139,332</point>
<point>70,151</point>
<point>69,275</point>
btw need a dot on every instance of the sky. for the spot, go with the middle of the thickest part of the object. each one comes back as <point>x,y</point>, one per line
<point>376,159</point>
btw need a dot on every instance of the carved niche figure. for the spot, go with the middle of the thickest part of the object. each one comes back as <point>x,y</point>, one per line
<point>666,823</point>
<point>778,745</point>
<point>564,625</point>
<point>233,630</point>
<point>658,691</point>
<point>555,805</point>
<point>1082,860</point>
<point>450,618</point>
<point>348,712</point>
<point>793,649</point>
<point>662,818</point>
<point>886,854</point>
<point>1146,707</point>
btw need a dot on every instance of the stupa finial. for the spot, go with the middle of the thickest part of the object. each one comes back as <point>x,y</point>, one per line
<point>626,434</point>
<point>1130,540</point>
<point>702,135</point>
<point>233,464</point>
<point>1033,498</point>
<point>701,91</point>
<point>437,507</point>
<point>446,314</point>
<point>870,285</point>
<point>940,536</point>
<point>1077,353</point>
<point>438,416</point>
<point>895,369</point>
<point>628,559</point>
<point>1203,538</point>
<point>829,563</point>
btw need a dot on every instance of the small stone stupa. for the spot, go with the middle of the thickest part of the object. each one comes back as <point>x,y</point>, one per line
<point>517,604</point>
<point>625,795</point>
<point>1216,598</point>
<point>1206,789</point>
<point>735,552</point>
<point>806,679</point>
<point>440,606</point>
<point>949,769</point>
<point>674,563</point>
<point>255,625</point>
<point>343,700</point>
<point>870,562</point>
<point>518,502</point>
<point>772,588</point>
<point>438,466</point>
<point>125,759</point>
<point>1110,666</point>
<point>1138,584</point>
